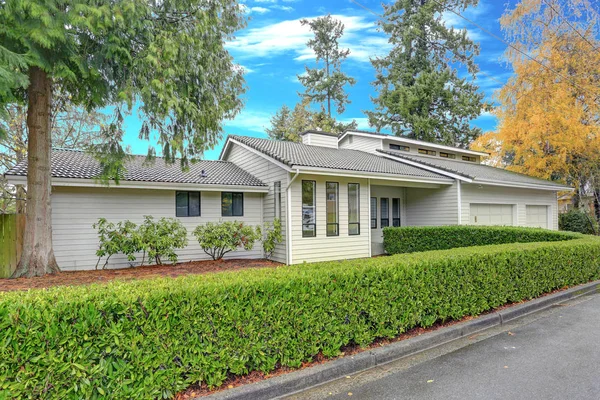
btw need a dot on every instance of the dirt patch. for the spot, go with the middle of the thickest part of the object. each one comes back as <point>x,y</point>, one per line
<point>73,278</point>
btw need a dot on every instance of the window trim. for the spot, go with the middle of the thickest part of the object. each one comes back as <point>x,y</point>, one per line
<point>188,203</point>
<point>277,200</point>
<point>381,219</point>
<point>358,209</point>
<point>232,207</point>
<point>400,147</point>
<point>337,210</point>
<point>427,152</point>
<point>469,158</point>
<point>373,217</point>
<point>314,186</point>
<point>399,218</point>
<point>451,156</point>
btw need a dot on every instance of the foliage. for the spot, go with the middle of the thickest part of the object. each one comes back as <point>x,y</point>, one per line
<point>287,124</point>
<point>420,92</point>
<point>153,338</point>
<point>161,238</point>
<point>122,237</point>
<point>218,239</point>
<point>548,114</point>
<point>424,238</point>
<point>325,83</point>
<point>577,221</point>
<point>272,237</point>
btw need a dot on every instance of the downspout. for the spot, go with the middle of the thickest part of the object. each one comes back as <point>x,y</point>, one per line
<point>288,217</point>
<point>458,187</point>
<point>368,224</point>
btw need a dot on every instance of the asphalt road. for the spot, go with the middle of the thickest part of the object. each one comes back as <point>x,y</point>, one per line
<point>554,354</point>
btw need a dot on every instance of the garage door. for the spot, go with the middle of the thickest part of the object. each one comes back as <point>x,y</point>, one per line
<point>537,216</point>
<point>491,214</point>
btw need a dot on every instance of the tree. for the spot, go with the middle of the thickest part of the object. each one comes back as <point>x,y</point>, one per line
<point>287,124</point>
<point>549,113</point>
<point>166,57</point>
<point>325,83</point>
<point>420,94</point>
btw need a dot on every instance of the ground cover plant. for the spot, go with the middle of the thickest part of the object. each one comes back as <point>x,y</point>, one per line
<point>409,239</point>
<point>154,338</point>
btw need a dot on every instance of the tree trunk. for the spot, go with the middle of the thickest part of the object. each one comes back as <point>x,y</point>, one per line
<point>37,258</point>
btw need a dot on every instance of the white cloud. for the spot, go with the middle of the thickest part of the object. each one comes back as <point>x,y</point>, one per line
<point>363,122</point>
<point>252,120</point>
<point>265,1</point>
<point>282,8</point>
<point>258,10</point>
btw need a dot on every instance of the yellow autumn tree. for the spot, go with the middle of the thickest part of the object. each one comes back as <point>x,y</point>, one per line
<point>549,110</point>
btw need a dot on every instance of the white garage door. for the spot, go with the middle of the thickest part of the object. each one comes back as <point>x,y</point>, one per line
<point>537,216</point>
<point>491,214</point>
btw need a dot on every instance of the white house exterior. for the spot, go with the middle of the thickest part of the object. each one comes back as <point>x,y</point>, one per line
<point>333,194</point>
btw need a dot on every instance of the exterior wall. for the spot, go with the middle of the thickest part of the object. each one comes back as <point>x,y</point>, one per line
<point>432,206</point>
<point>269,173</point>
<point>473,193</point>
<point>75,209</point>
<point>316,139</point>
<point>370,145</point>
<point>414,149</point>
<point>388,192</point>
<point>323,247</point>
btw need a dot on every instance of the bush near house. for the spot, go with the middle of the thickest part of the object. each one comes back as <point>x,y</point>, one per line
<point>424,238</point>
<point>218,239</point>
<point>577,221</point>
<point>153,338</point>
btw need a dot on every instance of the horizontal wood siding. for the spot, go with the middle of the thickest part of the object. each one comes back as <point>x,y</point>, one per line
<point>320,140</point>
<point>482,194</point>
<point>432,206</point>
<point>269,173</point>
<point>370,145</point>
<point>74,210</point>
<point>323,247</point>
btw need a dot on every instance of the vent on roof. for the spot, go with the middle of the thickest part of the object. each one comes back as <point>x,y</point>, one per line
<point>203,174</point>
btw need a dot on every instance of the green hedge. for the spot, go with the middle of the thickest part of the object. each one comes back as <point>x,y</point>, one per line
<point>151,338</point>
<point>424,238</point>
<point>577,221</point>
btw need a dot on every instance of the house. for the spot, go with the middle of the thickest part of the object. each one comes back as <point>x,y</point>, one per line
<point>334,195</point>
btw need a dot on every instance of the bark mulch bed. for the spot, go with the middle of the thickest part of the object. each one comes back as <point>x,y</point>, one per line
<point>71,278</point>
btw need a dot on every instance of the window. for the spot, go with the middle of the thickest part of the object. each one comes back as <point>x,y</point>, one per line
<point>373,212</point>
<point>469,158</point>
<point>309,217</point>
<point>385,212</point>
<point>428,152</point>
<point>395,212</point>
<point>399,147</point>
<point>232,204</point>
<point>187,204</point>
<point>447,155</point>
<point>277,199</point>
<point>353,209</point>
<point>331,193</point>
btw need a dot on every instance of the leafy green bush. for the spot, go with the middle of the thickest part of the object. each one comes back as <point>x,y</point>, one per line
<point>577,221</point>
<point>424,238</point>
<point>153,338</point>
<point>218,239</point>
<point>121,237</point>
<point>272,238</point>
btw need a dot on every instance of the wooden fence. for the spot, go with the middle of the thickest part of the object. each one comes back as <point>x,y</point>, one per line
<point>11,242</point>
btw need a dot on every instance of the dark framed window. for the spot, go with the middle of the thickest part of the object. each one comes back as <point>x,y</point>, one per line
<point>232,204</point>
<point>373,212</point>
<point>187,204</point>
<point>385,212</point>
<point>396,212</point>
<point>399,147</point>
<point>332,208</point>
<point>447,155</point>
<point>277,199</point>
<point>309,209</point>
<point>469,158</point>
<point>428,152</point>
<point>353,209</point>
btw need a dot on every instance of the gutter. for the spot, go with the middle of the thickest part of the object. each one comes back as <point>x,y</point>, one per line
<point>288,214</point>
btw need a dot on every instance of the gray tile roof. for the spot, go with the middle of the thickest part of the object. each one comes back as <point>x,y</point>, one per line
<point>474,171</point>
<point>302,155</point>
<point>78,164</point>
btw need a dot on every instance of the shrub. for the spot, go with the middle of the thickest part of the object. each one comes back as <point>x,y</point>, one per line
<point>161,238</point>
<point>577,221</point>
<point>121,237</point>
<point>424,238</point>
<point>272,238</point>
<point>153,338</point>
<point>218,239</point>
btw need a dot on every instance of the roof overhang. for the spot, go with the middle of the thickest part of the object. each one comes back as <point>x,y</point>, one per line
<point>371,175</point>
<point>552,188</point>
<point>427,167</point>
<point>92,183</point>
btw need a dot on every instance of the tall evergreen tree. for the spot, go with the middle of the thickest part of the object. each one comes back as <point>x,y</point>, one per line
<point>325,83</point>
<point>167,55</point>
<point>420,93</point>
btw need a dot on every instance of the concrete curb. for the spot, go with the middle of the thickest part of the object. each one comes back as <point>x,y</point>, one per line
<point>303,379</point>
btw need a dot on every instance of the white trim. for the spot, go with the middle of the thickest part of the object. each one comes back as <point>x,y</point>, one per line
<point>458,187</point>
<point>427,167</point>
<point>254,151</point>
<point>368,224</point>
<point>413,141</point>
<point>521,185</point>
<point>374,175</point>
<point>288,213</point>
<point>79,182</point>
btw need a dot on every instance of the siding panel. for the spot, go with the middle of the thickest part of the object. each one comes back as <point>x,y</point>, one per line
<point>432,206</point>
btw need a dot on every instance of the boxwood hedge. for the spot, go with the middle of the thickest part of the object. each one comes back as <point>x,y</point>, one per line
<point>424,238</point>
<point>152,338</point>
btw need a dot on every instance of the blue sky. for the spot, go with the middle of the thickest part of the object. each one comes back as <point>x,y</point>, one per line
<point>272,49</point>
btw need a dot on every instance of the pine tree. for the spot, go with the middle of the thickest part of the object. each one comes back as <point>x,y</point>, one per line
<point>325,83</point>
<point>168,56</point>
<point>420,93</point>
